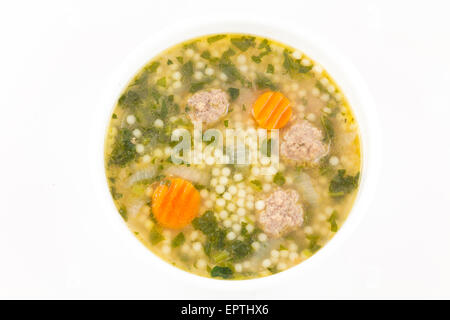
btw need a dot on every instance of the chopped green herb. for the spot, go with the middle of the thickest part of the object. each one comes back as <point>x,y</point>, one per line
<point>153,66</point>
<point>313,245</point>
<point>256,59</point>
<point>215,38</point>
<point>321,87</point>
<point>114,116</point>
<point>196,86</point>
<point>332,221</point>
<point>164,108</point>
<point>230,70</point>
<point>234,93</point>
<point>130,99</point>
<point>294,66</point>
<point>221,256</point>
<point>123,213</point>
<point>115,194</point>
<point>155,236</point>
<point>207,56</point>
<point>244,231</point>
<point>124,150</point>
<point>279,179</point>
<point>223,272</point>
<point>161,82</point>
<point>256,184</point>
<point>262,82</point>
<point>154,93</point>
<point>328,128</point>
<point>187,70</point>
<point>190,45</point>
<point>206,223</point>
<point>225,123</point>
<point>270,68</point>
<point>228,53</point>
<point>272,270</point>
<point>240,249</point>
<point>343,184</point>
<point>243,43</point>
<point>199,186</point>
<point>264,45</point>
<point>178,240</point>
<point>199,85</point>
<point>180,60</point>
<point>215,237</point>
<point>215,242</point>
<point>324,166</point>
<point>169,62</point>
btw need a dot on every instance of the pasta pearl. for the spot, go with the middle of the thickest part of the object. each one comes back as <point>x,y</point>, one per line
<point>131,119</point>
<point>259,205</point>
<point>231,236</point>
<point>158,123</point>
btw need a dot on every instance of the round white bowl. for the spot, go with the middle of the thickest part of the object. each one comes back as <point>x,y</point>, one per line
<point>336,65</point>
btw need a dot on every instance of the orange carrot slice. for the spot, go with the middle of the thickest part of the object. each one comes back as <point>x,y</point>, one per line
<point>175,203</point>
<point>272,110</point>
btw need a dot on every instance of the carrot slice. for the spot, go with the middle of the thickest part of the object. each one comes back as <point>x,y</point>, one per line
<point>175,203</point>
<point>272,110</point>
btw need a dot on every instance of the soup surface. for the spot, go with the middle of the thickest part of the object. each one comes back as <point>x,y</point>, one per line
<point>233,156</point>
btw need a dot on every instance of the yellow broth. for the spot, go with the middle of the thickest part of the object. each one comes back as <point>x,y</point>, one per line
<point>138,150</point>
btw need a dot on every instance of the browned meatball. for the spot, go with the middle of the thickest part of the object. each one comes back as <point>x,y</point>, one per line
<point>208,106</point>
<point>303,142</point>
<point>282,213</point>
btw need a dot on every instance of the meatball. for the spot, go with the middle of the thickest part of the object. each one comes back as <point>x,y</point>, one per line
<point>282,214</point>
<point>208,106</point>
<point>303,142</point>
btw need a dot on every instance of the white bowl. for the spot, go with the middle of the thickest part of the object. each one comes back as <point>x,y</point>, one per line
<point>339,69</point>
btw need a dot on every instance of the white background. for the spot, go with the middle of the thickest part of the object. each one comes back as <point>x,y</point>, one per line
<point>56,56</point>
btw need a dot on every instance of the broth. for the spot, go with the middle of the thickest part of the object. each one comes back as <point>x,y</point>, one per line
<point>253,219</point>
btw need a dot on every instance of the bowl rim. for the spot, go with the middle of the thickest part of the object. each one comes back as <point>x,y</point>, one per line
<point>337,66</point>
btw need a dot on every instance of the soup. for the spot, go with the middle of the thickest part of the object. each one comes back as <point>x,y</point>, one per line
<point>233,156</point>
